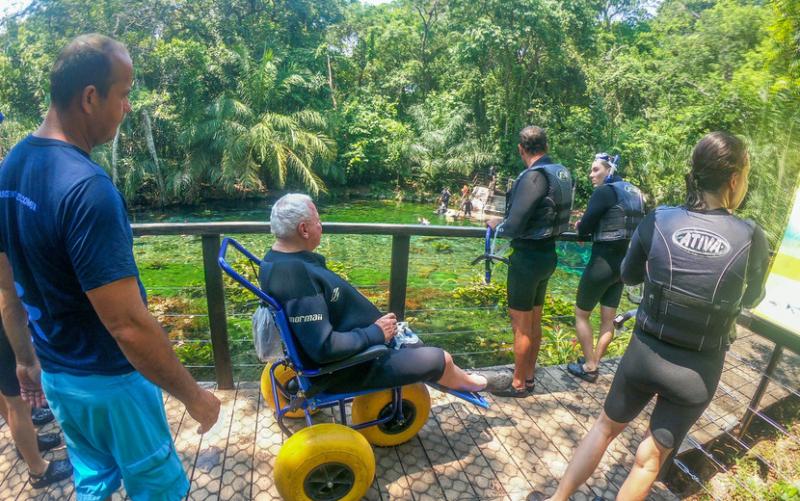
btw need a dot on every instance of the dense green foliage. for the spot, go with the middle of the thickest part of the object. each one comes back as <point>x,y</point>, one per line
<point>240,96</point>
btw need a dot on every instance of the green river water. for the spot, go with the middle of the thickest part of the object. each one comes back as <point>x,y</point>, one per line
<point>446,303</point>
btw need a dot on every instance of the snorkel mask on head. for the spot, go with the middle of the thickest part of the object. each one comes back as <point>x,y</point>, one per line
<point>612,161</point>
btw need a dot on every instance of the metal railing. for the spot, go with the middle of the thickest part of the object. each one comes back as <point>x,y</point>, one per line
<point>210,234</point>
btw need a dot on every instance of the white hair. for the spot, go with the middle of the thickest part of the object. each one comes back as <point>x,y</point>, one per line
<point>289,211</point>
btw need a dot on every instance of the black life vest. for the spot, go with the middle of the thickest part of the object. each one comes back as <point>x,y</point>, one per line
<point>551,217</point>
<point>620,221</point>
<point>696,276</point>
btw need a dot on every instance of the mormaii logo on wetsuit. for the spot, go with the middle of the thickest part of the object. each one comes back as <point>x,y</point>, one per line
<point>300,319</point>
<point>702,242</point>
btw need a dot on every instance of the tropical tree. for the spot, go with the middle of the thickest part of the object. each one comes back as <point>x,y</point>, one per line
<point>243,144</point>
<point>445,146</point>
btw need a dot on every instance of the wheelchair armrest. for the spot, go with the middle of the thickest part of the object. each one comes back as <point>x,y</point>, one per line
<point>370,353</point>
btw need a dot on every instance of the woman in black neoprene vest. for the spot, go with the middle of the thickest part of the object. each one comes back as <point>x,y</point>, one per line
<point>612,215</point>
<point>700,265</point>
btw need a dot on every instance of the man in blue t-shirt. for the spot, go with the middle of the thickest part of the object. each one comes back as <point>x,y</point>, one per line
<point>64,228</point>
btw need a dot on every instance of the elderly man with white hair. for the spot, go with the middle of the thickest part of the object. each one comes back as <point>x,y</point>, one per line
<point>332,321</point>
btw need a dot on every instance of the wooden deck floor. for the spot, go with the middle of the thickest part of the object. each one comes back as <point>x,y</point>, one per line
<point>462,453</point>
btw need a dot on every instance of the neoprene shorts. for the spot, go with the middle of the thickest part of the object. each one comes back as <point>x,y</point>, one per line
<point>600,281</point>
<point>683,382</point>
<point>9,385</point>
<point>529,269</point>
<point>408,365</point>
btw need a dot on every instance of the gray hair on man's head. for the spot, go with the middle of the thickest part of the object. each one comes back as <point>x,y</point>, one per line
<point>289,211</point>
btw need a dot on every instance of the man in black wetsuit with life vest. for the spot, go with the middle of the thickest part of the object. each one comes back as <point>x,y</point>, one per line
<point>700,265</point>
<point>537,211</point>
<point>614,211</point>
<point>332,321</point>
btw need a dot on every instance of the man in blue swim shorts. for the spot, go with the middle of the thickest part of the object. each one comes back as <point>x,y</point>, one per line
<point>65,230</point>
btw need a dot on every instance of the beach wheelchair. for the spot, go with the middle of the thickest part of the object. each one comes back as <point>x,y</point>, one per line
<point>332,461</point>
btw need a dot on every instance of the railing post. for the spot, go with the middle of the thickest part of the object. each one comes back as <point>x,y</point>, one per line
<point>215,298</point>
<point>398,279</point>
<point>762,387</point>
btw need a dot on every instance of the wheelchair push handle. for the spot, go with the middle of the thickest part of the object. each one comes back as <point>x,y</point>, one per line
<point>222,260</point>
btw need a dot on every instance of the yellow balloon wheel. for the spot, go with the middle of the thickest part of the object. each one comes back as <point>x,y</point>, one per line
<point>283,375</point>
<point>324,462</point>
<point>416,408</point>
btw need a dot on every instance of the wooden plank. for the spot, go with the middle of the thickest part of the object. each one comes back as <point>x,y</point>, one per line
<point>390,476</point>
<point>419,470</point>
<point>632,436</point>
<point>446,466</point>
<point>187,440</point>
<point>553,463</point>
<point>481,476</point>
<point>563,428</point>
<point>516,448</point>
<point>269,439</point>
<point>238,463</point>
<point>620,456</point>
<point>503,464</point>
<point>207,473</point>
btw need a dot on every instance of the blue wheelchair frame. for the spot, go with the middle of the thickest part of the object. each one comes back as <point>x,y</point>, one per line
<point>306,398</point>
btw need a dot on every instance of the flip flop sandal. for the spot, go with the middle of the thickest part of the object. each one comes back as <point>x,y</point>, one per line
<point>57,470</point>
<point>577,370</point>
<point>530,384</point>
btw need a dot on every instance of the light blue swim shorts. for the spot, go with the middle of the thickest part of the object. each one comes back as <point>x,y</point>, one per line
<point>116,430</point>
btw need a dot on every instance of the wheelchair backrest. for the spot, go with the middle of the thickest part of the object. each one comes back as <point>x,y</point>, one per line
<point>277,310</point>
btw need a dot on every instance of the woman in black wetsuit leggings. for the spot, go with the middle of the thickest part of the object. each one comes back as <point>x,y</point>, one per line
<point>613,213</point>
<point>700,265</point>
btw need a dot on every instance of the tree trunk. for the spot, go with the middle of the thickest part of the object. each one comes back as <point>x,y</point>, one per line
<point>151,147</point>
<point>330,81</point>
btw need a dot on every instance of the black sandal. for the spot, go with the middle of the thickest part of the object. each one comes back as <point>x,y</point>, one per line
<point>41,416</point>
<point>530,384</point>
<point>510,391</point>
<point>577,370</point>
<point>57,470</point>
<point>45,442</point>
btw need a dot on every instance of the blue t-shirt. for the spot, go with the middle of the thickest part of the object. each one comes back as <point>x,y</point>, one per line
<point>65,229</point>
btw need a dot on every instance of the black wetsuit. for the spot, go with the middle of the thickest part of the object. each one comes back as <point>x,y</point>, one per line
<point>534,258</point>
<point>693,253</point>
<point>332,321</point>
<point>600,281</point>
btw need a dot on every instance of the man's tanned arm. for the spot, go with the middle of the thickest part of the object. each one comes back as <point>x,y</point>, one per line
<point>147,347</point>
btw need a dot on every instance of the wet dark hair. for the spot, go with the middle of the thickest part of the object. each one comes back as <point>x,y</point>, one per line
<point>717,157</point>
<point>533,139</point>
<point>87,60</point>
